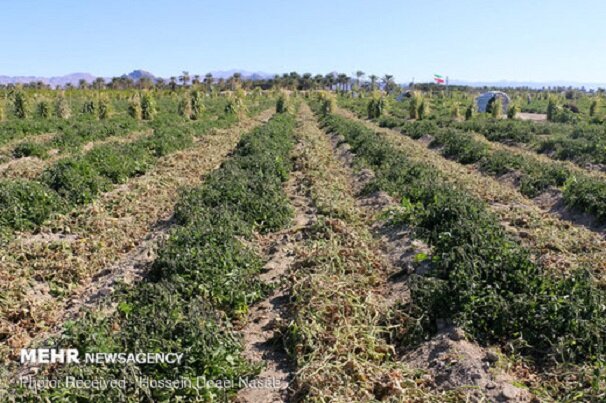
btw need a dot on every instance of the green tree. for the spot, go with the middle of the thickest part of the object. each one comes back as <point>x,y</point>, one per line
<point>373,82</point>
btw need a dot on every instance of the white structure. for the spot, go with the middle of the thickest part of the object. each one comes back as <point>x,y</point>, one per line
<point>487,98</point>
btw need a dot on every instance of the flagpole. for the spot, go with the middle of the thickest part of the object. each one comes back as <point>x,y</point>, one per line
<point>447,86</point>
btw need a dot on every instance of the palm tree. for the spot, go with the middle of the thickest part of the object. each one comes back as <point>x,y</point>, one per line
<point>99,83</point>
<point>208,80</point>
<point>306,81</point>
<point>145,83</point>
<point>343,79</point>
<point>196,80</point>
<point>388,82</point>
<point>359,75</point>
<point>329,80</point>
<point>184,78</point>
<point>318,79</point>
<point>237,79</point>
<point>373,82</point>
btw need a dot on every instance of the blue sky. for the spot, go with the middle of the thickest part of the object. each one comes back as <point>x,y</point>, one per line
<point>472,40</point>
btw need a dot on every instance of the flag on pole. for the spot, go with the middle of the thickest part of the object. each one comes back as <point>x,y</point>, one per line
<point>438,79</point>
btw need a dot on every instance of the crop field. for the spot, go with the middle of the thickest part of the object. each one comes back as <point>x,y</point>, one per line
<point>302,243</point>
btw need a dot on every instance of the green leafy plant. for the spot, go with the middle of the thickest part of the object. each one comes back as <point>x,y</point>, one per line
<point>43,109</point>
<point>197,107</point>
<point>24,204</point>
<point>104,109</point>
<point>62,109</point>
<point>20,105</point>
<point>148,106</point>
<point>134,108</point>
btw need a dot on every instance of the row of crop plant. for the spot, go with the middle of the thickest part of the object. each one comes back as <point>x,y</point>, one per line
<point>26,204</point>
<point>581,192</point>
<point>200,285</point>
<point>481,278</point>
<point>582,143</point>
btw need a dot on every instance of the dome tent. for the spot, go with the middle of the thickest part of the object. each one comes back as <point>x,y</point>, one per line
<point>487,98</point>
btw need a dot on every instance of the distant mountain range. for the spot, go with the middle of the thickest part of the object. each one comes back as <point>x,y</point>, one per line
<point>136,75</point>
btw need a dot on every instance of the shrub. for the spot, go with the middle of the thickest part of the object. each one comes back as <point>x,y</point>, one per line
<point>497,108</point>
<point>43,109</point>
<point>104,110</point>
<point>552,108</point>
<point>413,107</point>
<point>454,111</point>
<point>134,108</point>
<point>469,112</point>
<point>282,104</point>
<point>235,106</point>
<point>424,109</point>
<point>513,110</point>
<point>88,108</point>
<point>197,107</point>
<point>21,105</point>
<point>593,108</point>
<point>327,103</point>
<point>184,107</point>
<point>62,110</point>
<point>148,106</point>
<point>376,106</point>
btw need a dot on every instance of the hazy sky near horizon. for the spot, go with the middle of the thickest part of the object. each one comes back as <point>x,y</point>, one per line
<point>466,39</point>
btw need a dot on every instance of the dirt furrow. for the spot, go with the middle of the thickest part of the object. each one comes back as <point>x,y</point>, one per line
<point>262,342</point>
